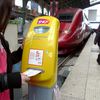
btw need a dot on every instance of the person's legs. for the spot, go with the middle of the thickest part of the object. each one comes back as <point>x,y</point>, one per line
<point>98,59</point>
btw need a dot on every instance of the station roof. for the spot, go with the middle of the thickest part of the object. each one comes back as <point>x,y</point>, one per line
<point>75,3</point>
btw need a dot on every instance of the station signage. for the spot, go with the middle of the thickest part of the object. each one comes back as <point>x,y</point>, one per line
<point>43,21</point>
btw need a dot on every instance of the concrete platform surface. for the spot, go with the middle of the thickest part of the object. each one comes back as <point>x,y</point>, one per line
<point>83,82</point>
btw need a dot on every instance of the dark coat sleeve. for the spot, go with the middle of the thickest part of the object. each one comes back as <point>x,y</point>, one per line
<point>16,55</point>
<point>11,80</point>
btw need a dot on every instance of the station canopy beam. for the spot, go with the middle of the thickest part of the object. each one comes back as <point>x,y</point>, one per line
<point>76,3</point>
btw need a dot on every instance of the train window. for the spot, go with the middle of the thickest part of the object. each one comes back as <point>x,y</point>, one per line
<point>65,17</point>
<point>41,29</point>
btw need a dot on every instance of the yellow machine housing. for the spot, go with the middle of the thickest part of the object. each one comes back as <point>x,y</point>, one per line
<point>41,50</point>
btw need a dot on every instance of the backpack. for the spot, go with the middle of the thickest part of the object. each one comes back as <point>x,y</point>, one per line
<point>3,67</point>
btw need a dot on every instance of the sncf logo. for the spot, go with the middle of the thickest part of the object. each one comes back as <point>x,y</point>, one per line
<point>43,21</point>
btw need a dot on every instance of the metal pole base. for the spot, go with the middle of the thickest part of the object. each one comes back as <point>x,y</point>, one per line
<point>40,93</point>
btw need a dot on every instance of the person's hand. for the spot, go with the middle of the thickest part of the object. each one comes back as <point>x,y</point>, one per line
<point>24,78</point>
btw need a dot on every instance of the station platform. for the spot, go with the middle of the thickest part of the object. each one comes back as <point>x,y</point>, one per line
<point>83,82</point>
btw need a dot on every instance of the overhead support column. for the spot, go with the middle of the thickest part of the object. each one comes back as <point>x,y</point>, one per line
<point>53,7</point>
<point>42,7</point>
<point>24,13</point>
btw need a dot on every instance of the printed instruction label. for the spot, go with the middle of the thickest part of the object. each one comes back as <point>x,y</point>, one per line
<point>35,57</point>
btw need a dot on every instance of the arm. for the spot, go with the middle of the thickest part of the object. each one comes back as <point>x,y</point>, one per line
<point>12,80</point>
<point>16,55</point>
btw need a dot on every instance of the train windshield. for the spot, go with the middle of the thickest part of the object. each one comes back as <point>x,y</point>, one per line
<point>66,17</point>
<point>41,29</point>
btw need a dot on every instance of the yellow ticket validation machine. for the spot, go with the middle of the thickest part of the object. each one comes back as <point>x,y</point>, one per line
<point>41,51</point>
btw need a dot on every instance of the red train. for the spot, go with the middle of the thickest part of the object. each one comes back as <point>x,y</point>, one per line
<point>73,29</point>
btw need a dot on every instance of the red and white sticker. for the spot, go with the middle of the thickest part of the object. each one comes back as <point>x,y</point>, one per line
<point>43,21</point>
<point>35,57</point>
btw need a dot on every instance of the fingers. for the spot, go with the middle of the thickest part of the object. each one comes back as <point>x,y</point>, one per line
<point>24,78</point>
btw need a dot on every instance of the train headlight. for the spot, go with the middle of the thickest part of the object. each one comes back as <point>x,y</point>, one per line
<point>66,31</point>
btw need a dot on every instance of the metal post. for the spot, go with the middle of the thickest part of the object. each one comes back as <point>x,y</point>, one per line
<point>24,13</point>
<point>42,7</point>
<point>40,93</point>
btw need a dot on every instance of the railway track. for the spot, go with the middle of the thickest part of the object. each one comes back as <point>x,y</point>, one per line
<point>62,61</point>
<point>66,64</point>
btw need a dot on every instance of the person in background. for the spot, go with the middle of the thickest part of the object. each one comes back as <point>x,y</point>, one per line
<point>8,80</point>
<point>34,7</point>
<point>97,41</point>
